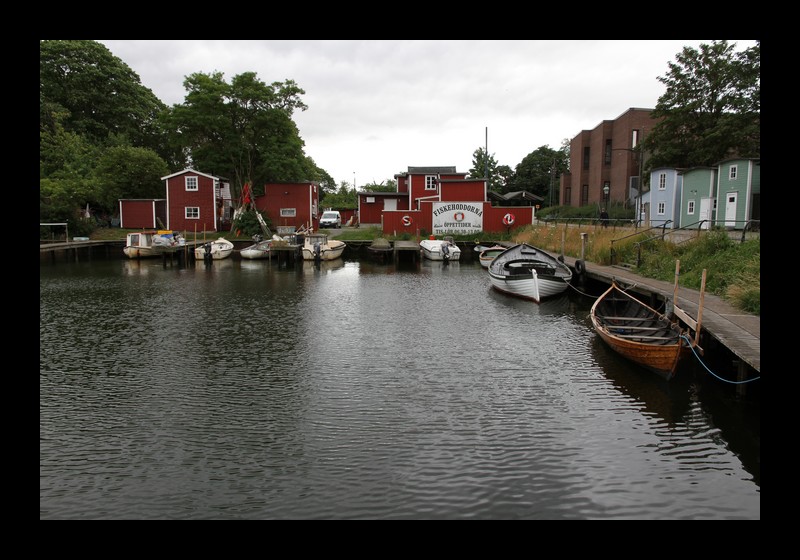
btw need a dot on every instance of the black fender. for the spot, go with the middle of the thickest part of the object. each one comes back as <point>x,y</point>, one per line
<point>580,267</point>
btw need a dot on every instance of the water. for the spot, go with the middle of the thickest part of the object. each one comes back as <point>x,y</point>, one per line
<point>248,390</point>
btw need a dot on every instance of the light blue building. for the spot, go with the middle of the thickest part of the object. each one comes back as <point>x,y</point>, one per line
<point>662,203</point>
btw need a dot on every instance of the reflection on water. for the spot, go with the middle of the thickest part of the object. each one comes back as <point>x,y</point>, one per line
<point>359,390</point>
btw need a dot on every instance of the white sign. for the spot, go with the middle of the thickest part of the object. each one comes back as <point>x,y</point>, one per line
<point>457,218</point>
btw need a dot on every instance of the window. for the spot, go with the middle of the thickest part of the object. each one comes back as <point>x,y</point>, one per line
<point>584,195</point>
<point>430,182</point>
<point>732,172</point>
<point>690,208</point>
<point>662,181</point>
<point>288,212</point>
<point>608,152</point>
<point>192,212</point>
<point>191,182</point>
<point>568,196</point>
<point>586,157</point>
<point>634,138</point>
<point>662,208</point>
<point>370,199</point>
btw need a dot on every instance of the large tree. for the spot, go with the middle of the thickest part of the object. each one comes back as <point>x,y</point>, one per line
<point>484,165</point>
<point>243,130</point>
<point>128,172</point>
<point>538,173</point>
<point>711,109</point>
<point>99,95</point>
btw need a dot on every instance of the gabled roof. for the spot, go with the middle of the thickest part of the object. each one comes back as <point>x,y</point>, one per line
<point>189,170</point>
<point>432,170</point>
<point>515,196</point>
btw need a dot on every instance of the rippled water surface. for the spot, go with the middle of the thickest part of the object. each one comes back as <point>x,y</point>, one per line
<point>248,390</point>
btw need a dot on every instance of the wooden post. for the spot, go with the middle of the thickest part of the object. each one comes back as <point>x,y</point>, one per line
<point>700,308</point>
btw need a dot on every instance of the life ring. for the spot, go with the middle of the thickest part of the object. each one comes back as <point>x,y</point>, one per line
<point>508,219</point>
<point>407,221</point>
<point>580,267</point>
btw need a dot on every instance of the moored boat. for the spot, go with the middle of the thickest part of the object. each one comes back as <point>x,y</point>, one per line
<point>380,249</point>
<point>317,246</point>
<point>528,272</point>
<point>214,250</point>
<point>639,332</point>
<point>487,254</point>
<point>145,244</point>
<point>440,249</point>
<point>259,250</point>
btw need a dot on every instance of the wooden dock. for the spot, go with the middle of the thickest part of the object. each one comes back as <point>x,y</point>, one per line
<point>736,330</point>
<point>406,250</point>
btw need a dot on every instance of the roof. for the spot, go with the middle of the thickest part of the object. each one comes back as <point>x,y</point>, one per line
<point>432,170</point>
<point>382,193</point>
<point>515,196</point>
<point>189,170</point>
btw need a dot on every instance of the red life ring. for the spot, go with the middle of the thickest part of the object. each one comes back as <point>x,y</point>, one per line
<point>407,221</point>
<point>508,219</point>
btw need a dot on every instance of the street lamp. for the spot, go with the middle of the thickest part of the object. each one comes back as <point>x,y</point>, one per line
<point>354,180</point>
<point>605,195</point>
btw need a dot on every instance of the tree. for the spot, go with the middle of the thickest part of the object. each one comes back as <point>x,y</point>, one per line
<point>128,172</point>
<point>538,172</point>
<point>711,109</point>
<point>242,130</point>
<point>98,94</point>
<point>485,166</point>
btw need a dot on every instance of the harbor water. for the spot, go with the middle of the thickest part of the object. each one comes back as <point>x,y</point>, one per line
<point>355,390</point>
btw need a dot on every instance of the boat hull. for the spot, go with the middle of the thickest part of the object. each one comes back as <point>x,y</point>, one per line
<point>528,272</point>
<point>328,250</point>
<point>533,287</point>
<point>258,251</point>
<point>487,256</point>
<point>220,249</point>
<point>432,250</point>
<point>638,332</point>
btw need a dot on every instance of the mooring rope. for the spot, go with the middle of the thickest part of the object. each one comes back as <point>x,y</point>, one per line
<point>686,338</point>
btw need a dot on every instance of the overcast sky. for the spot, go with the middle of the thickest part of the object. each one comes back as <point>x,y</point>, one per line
<point>376,108</point>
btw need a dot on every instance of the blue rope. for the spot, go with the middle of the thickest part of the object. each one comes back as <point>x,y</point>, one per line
<point>683,336</point>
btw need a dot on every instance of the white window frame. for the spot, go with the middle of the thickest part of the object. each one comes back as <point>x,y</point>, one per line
<point>732,172</point>
<point>288,212</point>
<point>662,181</point>
<point>430,182</point>
<point>188,183</point>
<point>662,208</point>
<point>191,212</point>
<point>690,208</point>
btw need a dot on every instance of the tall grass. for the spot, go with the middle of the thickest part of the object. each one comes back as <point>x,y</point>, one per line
<point>733,269</point>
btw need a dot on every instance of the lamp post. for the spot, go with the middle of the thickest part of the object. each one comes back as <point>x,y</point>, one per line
<point>354,180</point>
<point>605,196</point>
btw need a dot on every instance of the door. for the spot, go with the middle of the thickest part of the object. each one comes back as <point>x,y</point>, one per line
<point>705,213</point>
<point>730,210</point>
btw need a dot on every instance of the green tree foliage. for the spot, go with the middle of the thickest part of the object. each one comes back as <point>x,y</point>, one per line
<point>128,172</point>
<point>538,173</point>
<point>345,197</point>
<point>97,94</point>
<point>92,108</point>
<point>242,130</point>
<point>484,165</point>
<point>389,185</point>
<point>711,109</point>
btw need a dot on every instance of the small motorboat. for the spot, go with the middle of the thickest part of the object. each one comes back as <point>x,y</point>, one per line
<point>214,250</point>
<point>440,249</point>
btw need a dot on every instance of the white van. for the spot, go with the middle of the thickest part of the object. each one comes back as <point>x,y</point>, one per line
<point>330,219</point>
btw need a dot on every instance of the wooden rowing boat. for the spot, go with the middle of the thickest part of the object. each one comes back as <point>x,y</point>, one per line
<point>638,332</point>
